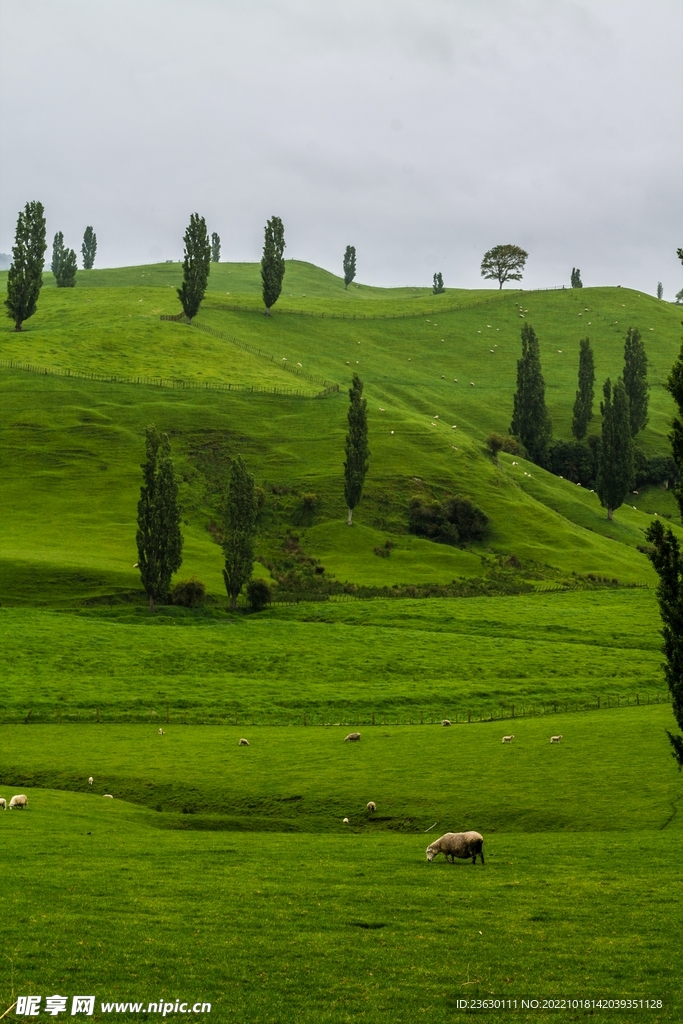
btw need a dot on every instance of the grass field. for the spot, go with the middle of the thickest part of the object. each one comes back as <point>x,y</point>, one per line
<point>225,874</point>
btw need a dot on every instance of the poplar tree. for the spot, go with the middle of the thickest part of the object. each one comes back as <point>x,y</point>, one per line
<point>615,459</point>
<point>583,403</point>
<point>239,526</point>
<point>25,275</point>
<point>437,286</point>
<point>576,278</point>
<point>668,564</point>
<point>349,265</point>
<point>65,275</point>
<point>89,248</point>
<point>57,252</point>
<point>196,266</point>
<point>357,454</point>
<point>215,247</point>
<point>272,262</point>
<point>159,540</point>
<point>530,418</point>
<point>635,379</point>
<point>674,385</point>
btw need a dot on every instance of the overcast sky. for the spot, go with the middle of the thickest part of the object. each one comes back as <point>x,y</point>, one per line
<point>421,131</point>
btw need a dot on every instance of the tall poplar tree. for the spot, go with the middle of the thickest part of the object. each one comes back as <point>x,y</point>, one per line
<point>159,540</point>
<point>57,252</point>
<point>635,379</point>
<point>530,418</point>
<point>668,564</point>
<point>357,453</point>
<point>89,248</point>
<point>25,275</point>
<point>272,262</point>
<point>215,247</point>
<point>674,386</point>
<point>583,403</point>
<point>615,459</point>
<point>196,266</point>
<point>576,278</point>
<point>349,265</point>
<point>239,526</point>
<point>65,275</point>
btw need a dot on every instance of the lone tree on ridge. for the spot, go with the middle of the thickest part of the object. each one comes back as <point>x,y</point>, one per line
<point>215,247</point>
<point>615,459</point>
<point>357,454</point>
<point>159,540</point>
<point>89,248</point>
<point>504,263</point>
<point>583,403</point>
<point>273,262</point>
<point>196,266</point>
<point>239,526</point>
<point>25,275</point>
<point>437,286</point>
<point>349,265</point>
<point>635,379</point>
<point>576,278</point>
<point>530,418</point>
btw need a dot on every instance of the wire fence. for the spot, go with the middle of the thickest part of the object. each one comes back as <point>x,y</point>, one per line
<point>174,383</point>
<point>329,716</point>
<point>326,315</point>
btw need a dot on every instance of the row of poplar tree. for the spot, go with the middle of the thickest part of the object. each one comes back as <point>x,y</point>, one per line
<point>159,536</point>
<point>623,408</point>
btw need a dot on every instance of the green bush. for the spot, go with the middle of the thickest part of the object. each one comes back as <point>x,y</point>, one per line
<point>188,593</point>
<point>505,443</point>
<point>258,595</point>
<point>451,521</point>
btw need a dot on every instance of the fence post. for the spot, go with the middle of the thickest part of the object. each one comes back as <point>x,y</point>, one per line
<point>373,717</point>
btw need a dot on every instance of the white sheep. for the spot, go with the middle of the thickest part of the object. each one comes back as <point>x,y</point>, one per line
<point>161,732</point>
<point>556,739</point>
<point>353,737</point>
<point>345,821</point>
<point>446,721</point>
<point>508,739</point>
<point>3,803</point>
<point>371,806</point>
<point>462,845</point>
<point>90,781</point>
<point>18,803</point>
<point>108,796</point>
<point>243,743</point>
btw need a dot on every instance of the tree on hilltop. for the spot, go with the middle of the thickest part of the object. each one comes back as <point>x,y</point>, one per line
<point>576,278</point>
<point>504,263</point>
<point>57,251</point>
<point>530,418</point>
<point>583,403</point>
<point>615,460</point>
<point>357,454</point>
<point>215,247</point>
<point>349,265</point>
<point>635,379</point>
<point>272,262</point>
<point>25,275</point>
<point>159,540</point>
<point>437,286</point>
<point>196,266</point>
<point>66,271</point>
<point>239,526</point>
<point>89,248</point>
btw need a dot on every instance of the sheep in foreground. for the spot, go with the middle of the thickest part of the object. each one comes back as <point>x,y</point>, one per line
<point>353,737</point>
<point>462,845</point>
<point>345,821</point>
<point>508,739</point>
<point>372,806</point>
<point>18,803</point>
<point>446,721</point>
<point>108,796</point>
<point>243,743</point>
<point>90,781</point>
<point>556,739</point>
<point>161,732</point>
<point>3,803</point>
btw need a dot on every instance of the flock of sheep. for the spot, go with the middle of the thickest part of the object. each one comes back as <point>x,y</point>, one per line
<point>17,803</point>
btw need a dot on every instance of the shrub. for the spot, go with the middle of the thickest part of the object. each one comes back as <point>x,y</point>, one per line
<point>258,595</point>
<point>575,460</point>
<point>452,521</point>
<point>188,593</point>
<point>505,443</point>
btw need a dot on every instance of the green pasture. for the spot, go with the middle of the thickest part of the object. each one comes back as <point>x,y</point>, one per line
<point>311,919</point>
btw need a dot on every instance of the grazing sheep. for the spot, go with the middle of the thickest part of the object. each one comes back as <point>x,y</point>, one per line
<point>508,739</point>
<point>3,803</point>
<point>353,737</point>
<point>462,845</point>
<point>243,743</point>
<point>161,732</point>
<point>108,796</point>
<point>446,721</point>
<point>90,781</point>
<point>556,739</point>
<point>19,802</point>
<point>372,806</point>
<point>345,821</point>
